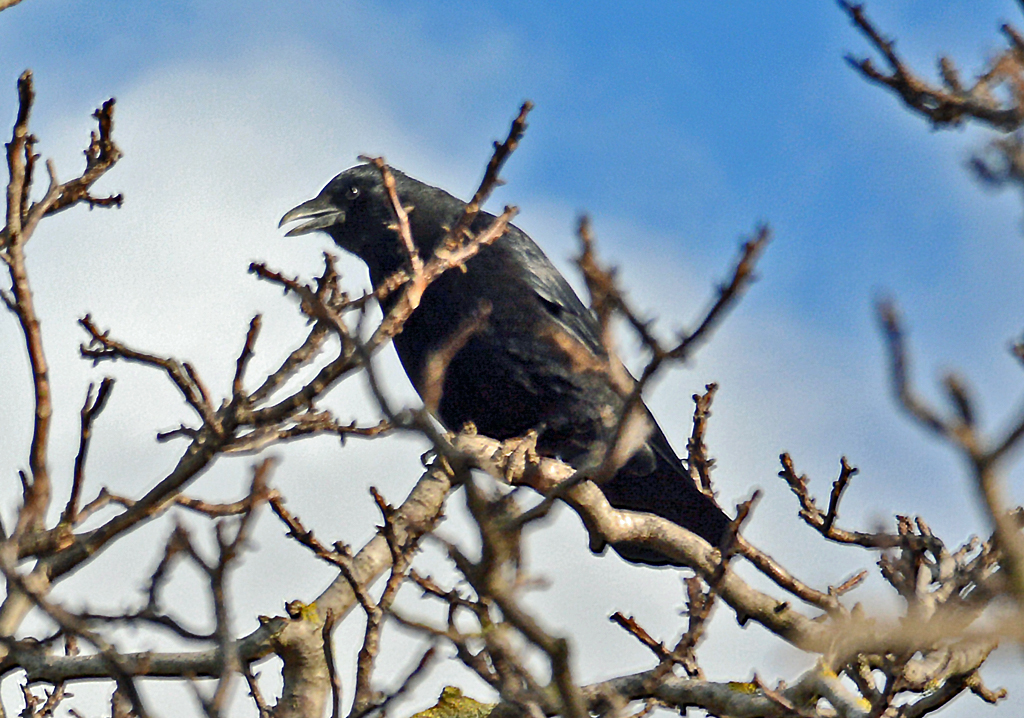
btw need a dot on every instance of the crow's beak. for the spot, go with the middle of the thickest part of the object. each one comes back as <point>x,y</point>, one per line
<point>320,213</point>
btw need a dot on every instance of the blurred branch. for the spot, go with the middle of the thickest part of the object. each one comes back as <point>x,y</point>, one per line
<point>951,103</point>
<point>544,474</point>
<point>502,151</point>
<point>366,699</point>
<point>961,433</point>
<point>114,665</point>
<point>607,298</point>
<point>415,516</point>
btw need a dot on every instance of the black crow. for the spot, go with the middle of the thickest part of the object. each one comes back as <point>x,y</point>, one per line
<point>537,363</point>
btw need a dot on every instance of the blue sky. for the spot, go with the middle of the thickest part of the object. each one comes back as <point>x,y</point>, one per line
<point>677,128</point>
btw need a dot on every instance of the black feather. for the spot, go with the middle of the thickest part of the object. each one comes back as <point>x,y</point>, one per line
<point>539,362</point>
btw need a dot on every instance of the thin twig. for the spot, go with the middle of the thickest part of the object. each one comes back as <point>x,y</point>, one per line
<point>502,151</point>
<point>90,410</point>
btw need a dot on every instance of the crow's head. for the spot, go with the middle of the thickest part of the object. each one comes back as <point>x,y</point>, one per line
<point>354,210</point>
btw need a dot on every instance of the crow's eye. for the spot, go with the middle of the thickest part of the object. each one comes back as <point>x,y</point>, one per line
<point>352,192</point>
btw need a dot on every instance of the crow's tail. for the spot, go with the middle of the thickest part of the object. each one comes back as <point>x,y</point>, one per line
<point>668,492</point>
